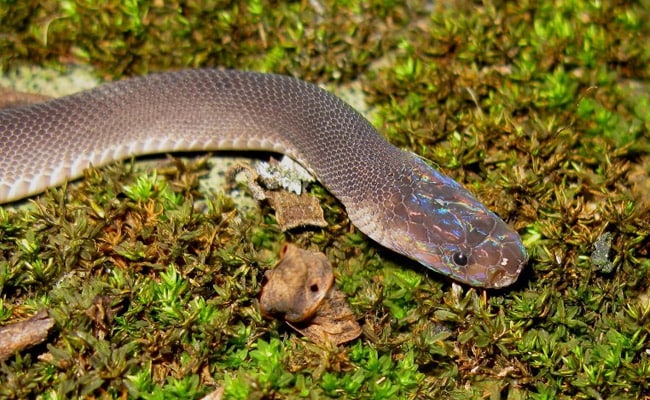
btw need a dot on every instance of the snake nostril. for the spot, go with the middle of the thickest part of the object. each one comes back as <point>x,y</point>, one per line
<point>459,259</point>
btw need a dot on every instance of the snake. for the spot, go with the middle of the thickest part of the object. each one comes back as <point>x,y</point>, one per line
<point>392,195</point>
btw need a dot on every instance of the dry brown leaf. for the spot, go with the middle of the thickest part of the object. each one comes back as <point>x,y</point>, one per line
<point>300,290</point>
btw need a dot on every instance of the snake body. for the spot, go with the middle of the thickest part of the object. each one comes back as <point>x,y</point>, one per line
<point>391,195</point>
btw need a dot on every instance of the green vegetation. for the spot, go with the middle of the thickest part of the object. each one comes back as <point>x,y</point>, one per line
<point>541,108</point>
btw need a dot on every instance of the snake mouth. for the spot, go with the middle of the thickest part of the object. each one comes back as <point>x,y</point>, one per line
<point>498,277</point>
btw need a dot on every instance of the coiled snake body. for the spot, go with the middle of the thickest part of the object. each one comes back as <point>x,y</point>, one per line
<point>391,195</point>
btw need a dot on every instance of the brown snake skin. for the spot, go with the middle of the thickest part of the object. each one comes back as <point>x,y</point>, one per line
<point>391,195</point>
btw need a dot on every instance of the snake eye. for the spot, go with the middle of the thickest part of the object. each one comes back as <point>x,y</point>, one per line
<point>459,259</point>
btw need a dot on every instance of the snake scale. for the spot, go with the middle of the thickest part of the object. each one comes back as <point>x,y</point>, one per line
<point>391,195</point>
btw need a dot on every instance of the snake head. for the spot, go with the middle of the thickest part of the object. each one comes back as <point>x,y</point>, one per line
<point>443,226</point>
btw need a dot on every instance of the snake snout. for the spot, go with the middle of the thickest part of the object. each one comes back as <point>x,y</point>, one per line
<point>502,277</point>
<point>498,259</point>
<point>494,275</point>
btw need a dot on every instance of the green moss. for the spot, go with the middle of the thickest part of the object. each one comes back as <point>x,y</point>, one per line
<point>541,108</point>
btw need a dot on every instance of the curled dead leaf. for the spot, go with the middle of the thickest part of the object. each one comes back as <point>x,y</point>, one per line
<point>301,290</point>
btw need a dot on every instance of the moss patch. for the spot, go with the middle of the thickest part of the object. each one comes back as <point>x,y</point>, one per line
<point>541,108</point>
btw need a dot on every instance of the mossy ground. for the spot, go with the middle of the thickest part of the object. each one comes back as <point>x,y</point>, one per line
<point>541,108</point>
